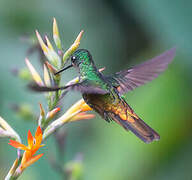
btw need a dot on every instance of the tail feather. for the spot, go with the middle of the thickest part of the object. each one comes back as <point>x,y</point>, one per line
<point>122,113</point>
<point>138,127</point>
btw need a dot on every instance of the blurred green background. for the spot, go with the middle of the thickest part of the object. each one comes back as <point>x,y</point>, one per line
<point>119,33</point>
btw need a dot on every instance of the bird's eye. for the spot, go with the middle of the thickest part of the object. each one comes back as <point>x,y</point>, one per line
<point>73,58</point>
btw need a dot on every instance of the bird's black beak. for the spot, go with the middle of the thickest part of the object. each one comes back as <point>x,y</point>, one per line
<point>64,69</point>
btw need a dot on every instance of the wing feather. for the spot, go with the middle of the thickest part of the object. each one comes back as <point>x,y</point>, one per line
<point>128,80</point>
<point>83,87</point>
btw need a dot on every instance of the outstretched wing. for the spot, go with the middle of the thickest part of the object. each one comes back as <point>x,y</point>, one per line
<point>128,80</point>
<point>87,86</point>
<point>84,87</point>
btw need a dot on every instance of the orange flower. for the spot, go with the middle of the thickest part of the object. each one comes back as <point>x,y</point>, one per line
<point>34,143</point>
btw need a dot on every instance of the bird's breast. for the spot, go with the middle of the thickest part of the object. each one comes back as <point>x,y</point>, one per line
<point>97,99</point>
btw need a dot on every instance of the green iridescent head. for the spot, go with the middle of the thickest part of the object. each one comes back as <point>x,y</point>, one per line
<point>81,57</point>
<point>82,60</point>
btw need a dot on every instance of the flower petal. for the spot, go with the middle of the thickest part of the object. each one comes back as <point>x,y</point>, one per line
<point>85,107</point>
<point>52,113</point>
<point>26,156</point>
<point>55,28</point>
<point>30,161</point>
<point>49,43</point>
<point>79,106</point>
<point>56,34</point>
<point>30,140</point>
<point>41,42</point>
<point>73,47</point>
<point>38,136</point>
<point>78,39</point>
<point>34,73</point>
<point>82,116</point>
<point>76,107</point>
<point>17,145</point>
<point>42,111</point>
<point>52,69</point>
<point>47,79</point>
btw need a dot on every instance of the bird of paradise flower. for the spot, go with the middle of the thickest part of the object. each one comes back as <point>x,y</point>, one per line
<point>34,143</point>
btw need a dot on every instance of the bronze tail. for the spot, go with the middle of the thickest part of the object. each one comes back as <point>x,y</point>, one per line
<point>130,121</point>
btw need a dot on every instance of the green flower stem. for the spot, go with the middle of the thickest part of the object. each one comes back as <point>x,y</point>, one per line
<point>10,175</point>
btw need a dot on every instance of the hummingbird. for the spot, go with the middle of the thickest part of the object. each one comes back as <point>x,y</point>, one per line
<point>104,94</point>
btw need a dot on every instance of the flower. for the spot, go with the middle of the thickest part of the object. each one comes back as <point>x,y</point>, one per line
<point>73,47</point>
<point>74,113</point>
<point>34,143</point>
<point>48,50</point>
<point>56,34</point>
<point>77,112</point>
<point>81,116</point>
<point>52,113</point>
<point>47,78</point>
<point>34,73</point>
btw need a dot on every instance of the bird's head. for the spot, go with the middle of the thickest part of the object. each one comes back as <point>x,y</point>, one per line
<point>79,59</point>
